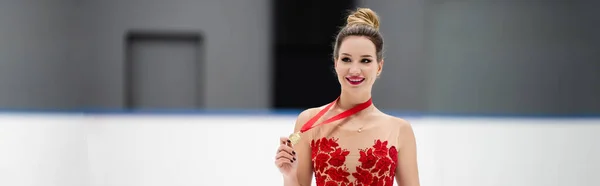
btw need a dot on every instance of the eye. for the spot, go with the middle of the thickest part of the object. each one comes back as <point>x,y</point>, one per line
<point>365,61</point>
<point>346,59</point>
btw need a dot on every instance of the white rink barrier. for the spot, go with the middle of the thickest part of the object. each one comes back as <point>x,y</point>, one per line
<point>238,150</point>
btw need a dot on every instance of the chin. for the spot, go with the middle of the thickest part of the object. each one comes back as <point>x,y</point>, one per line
<point>356,88</point>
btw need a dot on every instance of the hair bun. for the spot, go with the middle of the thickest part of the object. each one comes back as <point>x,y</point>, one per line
<point>363,16</point>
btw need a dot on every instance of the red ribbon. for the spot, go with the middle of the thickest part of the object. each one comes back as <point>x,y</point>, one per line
<point>349,112</point>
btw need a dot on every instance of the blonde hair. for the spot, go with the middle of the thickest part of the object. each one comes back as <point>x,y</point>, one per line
<point>361,22</point>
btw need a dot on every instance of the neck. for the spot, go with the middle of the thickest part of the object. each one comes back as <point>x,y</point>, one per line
<point>348,100</point>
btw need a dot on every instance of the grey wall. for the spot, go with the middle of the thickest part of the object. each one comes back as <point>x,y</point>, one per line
<point>69,53</point>
<point>514,56</point>
<point>442,56</point>
<point>236,40</point>
<point>35,69</point>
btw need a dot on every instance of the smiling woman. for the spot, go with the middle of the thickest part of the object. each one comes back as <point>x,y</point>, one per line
<point>355,143</point>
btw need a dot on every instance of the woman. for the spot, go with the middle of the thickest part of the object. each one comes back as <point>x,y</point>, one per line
<point>365,146</point>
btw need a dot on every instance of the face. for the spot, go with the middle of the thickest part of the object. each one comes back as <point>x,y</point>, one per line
<point>357,66</point>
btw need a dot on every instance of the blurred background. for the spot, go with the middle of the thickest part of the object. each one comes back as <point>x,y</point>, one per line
<point>462,72</point>
<point>442,56</point>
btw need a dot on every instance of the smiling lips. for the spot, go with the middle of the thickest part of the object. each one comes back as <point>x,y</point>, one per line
<point>355,80</point>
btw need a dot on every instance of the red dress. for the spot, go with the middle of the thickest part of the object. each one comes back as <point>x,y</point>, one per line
<point>348,157</point>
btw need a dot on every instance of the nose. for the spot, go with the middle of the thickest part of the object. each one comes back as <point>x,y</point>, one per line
<point>354,69</point>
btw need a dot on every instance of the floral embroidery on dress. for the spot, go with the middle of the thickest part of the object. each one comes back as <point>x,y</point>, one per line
<point>377,164</point>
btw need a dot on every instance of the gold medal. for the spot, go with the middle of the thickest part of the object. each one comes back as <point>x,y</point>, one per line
<point>295,138</point>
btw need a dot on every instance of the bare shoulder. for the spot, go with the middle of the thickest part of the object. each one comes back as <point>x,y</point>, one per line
<point>402,124</point>
<point>305,115</point>
<point>406,136</point>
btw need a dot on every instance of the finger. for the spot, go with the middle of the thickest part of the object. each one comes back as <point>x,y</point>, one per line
<point>286,149</point>
<point>284,155</point>
<point>285,141</point>
<point>282,162</point>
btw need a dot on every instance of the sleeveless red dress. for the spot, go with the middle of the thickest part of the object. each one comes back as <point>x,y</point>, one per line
<point>342,157</point>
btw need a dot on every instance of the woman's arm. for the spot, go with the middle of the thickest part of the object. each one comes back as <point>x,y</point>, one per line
<point>303,175</point>
<point>407,173</point>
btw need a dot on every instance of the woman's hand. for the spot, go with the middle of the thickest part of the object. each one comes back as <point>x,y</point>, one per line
<point>285,159</point>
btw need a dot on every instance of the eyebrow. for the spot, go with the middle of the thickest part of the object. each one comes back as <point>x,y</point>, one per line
<point>360,56</point>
